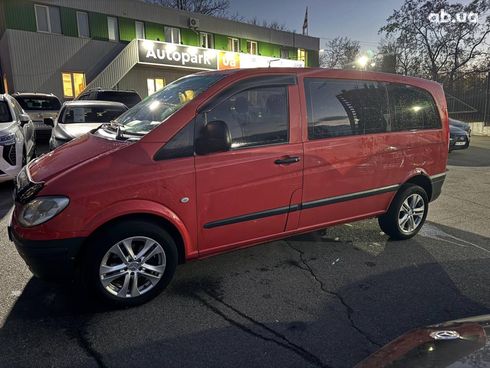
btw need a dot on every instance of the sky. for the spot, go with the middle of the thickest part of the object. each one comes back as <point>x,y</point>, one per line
<point>358,19</point>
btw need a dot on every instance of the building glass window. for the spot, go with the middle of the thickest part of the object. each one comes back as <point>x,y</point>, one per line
<point>48,19</point>
<point>302,55</point>
<point>155,85</point>
<point>252,47</point>
<point>113,28</point>
<point>172,35</point>
<point>73,84</point>
<point>140,30</point>
<point>233,44</point>
<point>284,54</point>
<point>206,40</point>
<point>82,23</point>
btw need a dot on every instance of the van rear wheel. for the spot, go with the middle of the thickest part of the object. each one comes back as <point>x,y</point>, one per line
<point>407,213</point>
<point>129,263</point>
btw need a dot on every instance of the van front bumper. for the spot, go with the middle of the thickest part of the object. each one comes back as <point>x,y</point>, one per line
<point>48,259</point>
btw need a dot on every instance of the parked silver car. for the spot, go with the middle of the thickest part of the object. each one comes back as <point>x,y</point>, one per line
<point>39,106</point>
<point>16,146</point>
<point>79,117</point>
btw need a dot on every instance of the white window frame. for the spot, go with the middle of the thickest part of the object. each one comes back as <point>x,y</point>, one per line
<point>48,20</point>
<point>252,43</point>
<point>136,23</point>
<point>172,29</point>
<point>207,37</point>
<point>78,24</point>
<point>233,39</point>
<point>116,31</point>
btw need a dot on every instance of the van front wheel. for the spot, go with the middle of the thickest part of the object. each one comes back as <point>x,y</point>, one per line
<point>130,263</point>
<point>407,213</point>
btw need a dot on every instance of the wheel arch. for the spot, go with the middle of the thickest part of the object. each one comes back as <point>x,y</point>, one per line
<point>423,181</point>
<point>146,211</point>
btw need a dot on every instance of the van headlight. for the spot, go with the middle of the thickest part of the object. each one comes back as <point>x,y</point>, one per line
<point>41,209</point>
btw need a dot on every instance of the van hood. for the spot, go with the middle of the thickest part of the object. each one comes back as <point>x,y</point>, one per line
<point>73,130</point>
<point>71,155</point>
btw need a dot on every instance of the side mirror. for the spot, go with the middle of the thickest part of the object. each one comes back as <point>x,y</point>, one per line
<point>24,119</point>
<point>214,137</point>
<point>49,121</point>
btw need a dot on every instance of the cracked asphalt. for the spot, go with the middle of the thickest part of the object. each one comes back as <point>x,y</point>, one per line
<point>322,299</point>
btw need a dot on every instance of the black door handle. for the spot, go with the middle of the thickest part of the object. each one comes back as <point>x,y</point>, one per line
<point>287,160</point>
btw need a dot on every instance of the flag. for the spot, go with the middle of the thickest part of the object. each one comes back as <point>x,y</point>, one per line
<point>305,23</point>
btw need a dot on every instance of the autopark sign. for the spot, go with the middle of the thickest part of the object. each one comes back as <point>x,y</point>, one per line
<point>191,57</point>
<point>162,53</point>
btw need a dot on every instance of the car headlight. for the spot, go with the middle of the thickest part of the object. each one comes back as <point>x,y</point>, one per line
<point>41,209</point>
<point>7,140</point>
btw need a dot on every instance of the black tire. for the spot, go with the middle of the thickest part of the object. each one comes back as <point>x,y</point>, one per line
<point>100,244</point>
<point>389,221</point>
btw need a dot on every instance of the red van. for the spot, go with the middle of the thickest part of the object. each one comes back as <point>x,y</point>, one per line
<point>223,160</point>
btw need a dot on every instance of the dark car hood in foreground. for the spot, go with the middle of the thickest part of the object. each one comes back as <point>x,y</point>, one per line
<point>461,343</point>
<point>456,131</point>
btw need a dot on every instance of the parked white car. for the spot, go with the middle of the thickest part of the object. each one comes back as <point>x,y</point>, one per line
<point>14,124</point>
<point>79,117</point>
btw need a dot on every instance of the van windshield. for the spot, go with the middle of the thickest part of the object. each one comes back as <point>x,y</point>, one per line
<point>155,109</point>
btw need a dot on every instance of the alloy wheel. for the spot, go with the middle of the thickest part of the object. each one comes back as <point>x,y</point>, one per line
<point>132,267</point>
<point>411,213</point>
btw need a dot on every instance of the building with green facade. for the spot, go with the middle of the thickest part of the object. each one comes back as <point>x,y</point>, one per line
<point>65,46</point>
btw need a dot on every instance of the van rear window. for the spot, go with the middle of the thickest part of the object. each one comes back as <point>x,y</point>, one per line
<point>345,107</point>
<point>5,115</point>
<point>351,107</point>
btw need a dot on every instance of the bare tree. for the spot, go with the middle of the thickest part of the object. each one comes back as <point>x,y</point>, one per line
<point>404,56</point>
<point>339,53</point>
<point>208,7</point>
<point>443,49</point>
<point>256,22</point>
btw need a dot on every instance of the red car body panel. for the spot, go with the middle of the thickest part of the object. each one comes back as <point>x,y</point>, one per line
<point>105,179</point>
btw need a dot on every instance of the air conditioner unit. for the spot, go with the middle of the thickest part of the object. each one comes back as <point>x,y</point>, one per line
<point>193,23</point>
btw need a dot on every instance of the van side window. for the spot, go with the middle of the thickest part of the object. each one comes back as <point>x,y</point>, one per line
<point>345,107</point>
<point>255,117</point>
<point>181,144</point>
<point>413,108</point>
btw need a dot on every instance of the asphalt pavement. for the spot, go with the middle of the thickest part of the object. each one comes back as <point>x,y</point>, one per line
<point>323,299</point>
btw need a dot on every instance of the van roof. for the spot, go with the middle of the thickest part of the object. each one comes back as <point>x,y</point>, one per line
<point>334,73</point>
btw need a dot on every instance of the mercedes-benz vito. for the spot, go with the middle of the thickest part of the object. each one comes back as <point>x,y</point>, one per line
<point>223,160</point>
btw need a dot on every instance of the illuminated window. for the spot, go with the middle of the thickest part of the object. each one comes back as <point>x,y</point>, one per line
<point>233,44</point>
<point>73,84</point>
<point>140,30</point>
<point>252,47</point>
<point>5,84</point>
<point>302,55</point>
<point>172,35</point>
<point>155,85</point>
<point>206,40</point>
